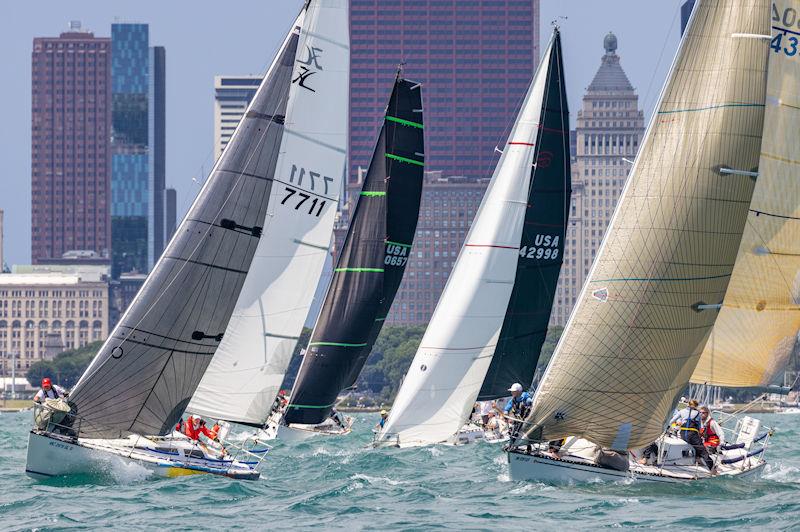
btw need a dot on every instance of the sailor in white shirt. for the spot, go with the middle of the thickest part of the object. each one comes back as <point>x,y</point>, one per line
<point>49,391</point>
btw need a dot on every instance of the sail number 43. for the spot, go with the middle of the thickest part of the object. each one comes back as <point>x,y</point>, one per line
<point>789,47</point>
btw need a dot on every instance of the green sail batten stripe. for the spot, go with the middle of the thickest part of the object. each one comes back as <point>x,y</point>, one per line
<point>404,159</point>
<point>404,122</point>
<point>380,319</point>
<point>337,344</point>
<point>372,193</point>
<point>292,405</point>
<point>373,270</point>
<point>710,107</point>
<point>398,244</point>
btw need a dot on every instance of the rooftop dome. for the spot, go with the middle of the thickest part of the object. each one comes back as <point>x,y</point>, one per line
<point>610,76</point>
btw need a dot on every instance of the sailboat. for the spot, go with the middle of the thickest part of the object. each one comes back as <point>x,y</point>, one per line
<point>269,200</point>
<point>653,294</point>
<point>491,320</point>
<point>366,276</point>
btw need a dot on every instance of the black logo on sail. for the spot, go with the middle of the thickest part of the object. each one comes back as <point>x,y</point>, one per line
<point>308,67</point>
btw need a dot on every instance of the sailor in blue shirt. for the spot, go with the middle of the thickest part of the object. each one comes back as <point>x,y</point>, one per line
<point>519,403</point>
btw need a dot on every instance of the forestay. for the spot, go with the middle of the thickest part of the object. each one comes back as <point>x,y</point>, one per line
<point>452,361</point>
<point>249,366</point>
<point>145,373</point>
<point>756,330</point>
<point>647,308</point>
<point>371,264</point>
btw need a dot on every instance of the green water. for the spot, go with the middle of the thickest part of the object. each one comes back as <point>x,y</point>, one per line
<point>341,484</point>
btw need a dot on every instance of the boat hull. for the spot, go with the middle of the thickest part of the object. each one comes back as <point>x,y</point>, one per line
<point>297,433</point>
<point>52,456</point>
<point>535,467</point>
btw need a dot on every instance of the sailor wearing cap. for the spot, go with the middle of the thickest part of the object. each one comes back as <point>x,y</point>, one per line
<point>382,422</point>
<point>49,391</point>
<point>519,403</point>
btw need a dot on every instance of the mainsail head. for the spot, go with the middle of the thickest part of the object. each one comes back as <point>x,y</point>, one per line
<point>756,331</point>
<point>246,373</point>
<point>455,353</point>
<point>642,319</point>
<point>371,264</point>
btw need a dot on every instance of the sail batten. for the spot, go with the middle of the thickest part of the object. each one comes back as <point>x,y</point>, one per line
<point>636,333</point>
<point>371,264</point>
<point>508,265</point>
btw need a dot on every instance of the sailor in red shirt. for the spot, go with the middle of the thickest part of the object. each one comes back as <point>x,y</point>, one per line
<point>194,427</point>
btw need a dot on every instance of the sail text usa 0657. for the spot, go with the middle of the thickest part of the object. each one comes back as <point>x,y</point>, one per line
<point>266,209</point>
<point>491,319</point>
<point>653,293</point>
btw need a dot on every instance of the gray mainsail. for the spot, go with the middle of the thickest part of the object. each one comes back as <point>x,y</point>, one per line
<point>146,372</point>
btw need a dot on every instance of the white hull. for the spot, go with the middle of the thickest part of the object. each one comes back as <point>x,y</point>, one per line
<point>51,455</point>
<point>535,467</point>
<point>297,433</point>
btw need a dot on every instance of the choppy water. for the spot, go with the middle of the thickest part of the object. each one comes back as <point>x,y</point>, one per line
<point>340,484</point>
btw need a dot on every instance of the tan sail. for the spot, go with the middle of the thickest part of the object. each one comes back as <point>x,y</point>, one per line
<point>640,325</point>
<point>756,330</point>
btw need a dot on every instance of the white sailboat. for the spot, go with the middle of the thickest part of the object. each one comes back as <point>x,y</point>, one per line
<point>264,215</point>
<point>515,241</point>
<point>652,295</point>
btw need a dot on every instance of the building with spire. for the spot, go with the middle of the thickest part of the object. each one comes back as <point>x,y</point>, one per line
<point>609,129</point>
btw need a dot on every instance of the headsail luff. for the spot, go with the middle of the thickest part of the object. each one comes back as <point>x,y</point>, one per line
<point>146,372</point>
<point>756,330</point>
<point>451,363</point>
<point>371,264</point>
<point>246,373</point>
<point>635,337</point>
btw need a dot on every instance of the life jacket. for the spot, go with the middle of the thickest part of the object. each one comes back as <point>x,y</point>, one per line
<point>51,394</point>
<point>710,438</point>
<point>692,423</point>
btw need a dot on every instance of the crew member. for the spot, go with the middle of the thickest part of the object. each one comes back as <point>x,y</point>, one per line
<point>712,434</point>
<point>49,391</point>
<point>382,422</point>
<point>520,402</point>
<point>689,423</point>
<point>194,427</point>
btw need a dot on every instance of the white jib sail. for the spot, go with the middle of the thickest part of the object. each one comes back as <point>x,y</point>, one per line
<point>451,363</point>
<point>249,365</point>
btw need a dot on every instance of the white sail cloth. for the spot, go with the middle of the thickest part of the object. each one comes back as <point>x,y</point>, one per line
<point>756,330</point>
<point>249,365</point>
<point>640,325</point>
<point>450,365</point>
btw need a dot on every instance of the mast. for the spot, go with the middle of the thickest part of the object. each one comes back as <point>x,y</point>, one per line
<point>755,333</point>
<point>456,351</point>
<point>309,167</point>
<point>371,265</point>
<point>646,309</point>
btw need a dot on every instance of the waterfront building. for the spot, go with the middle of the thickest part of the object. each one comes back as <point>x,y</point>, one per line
<point>609,129</point>
<point>70,155</point>
<point>232,95</point>
<point>138,206</point>
<point>45,313</point>
<point>475,60</point>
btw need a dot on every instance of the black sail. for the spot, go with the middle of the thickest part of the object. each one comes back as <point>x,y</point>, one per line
<point>147,370</point>
<point>371,265</point>
<point>542,246</point>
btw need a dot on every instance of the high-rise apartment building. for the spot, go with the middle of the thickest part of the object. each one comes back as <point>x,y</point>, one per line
<point>138,225</point>
<point>609,129</point>
<point>70,155</point>
<point>232,95</point>
<point>474,59</point>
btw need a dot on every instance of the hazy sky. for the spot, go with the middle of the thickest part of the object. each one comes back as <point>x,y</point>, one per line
<point>203,39</point>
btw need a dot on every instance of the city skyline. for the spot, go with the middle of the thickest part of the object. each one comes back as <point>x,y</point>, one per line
<point>190,82</point>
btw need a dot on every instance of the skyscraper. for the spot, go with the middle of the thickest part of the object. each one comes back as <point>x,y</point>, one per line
<point>609,129</point>
<point>232,95</point>
<point>70,156</point>
<point>138,149</point>
<point>475,59</point>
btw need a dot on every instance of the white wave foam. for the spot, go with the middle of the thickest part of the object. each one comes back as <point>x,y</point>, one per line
<point>376,480</point>
<point>124,472</point>
<point>780,472</point>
